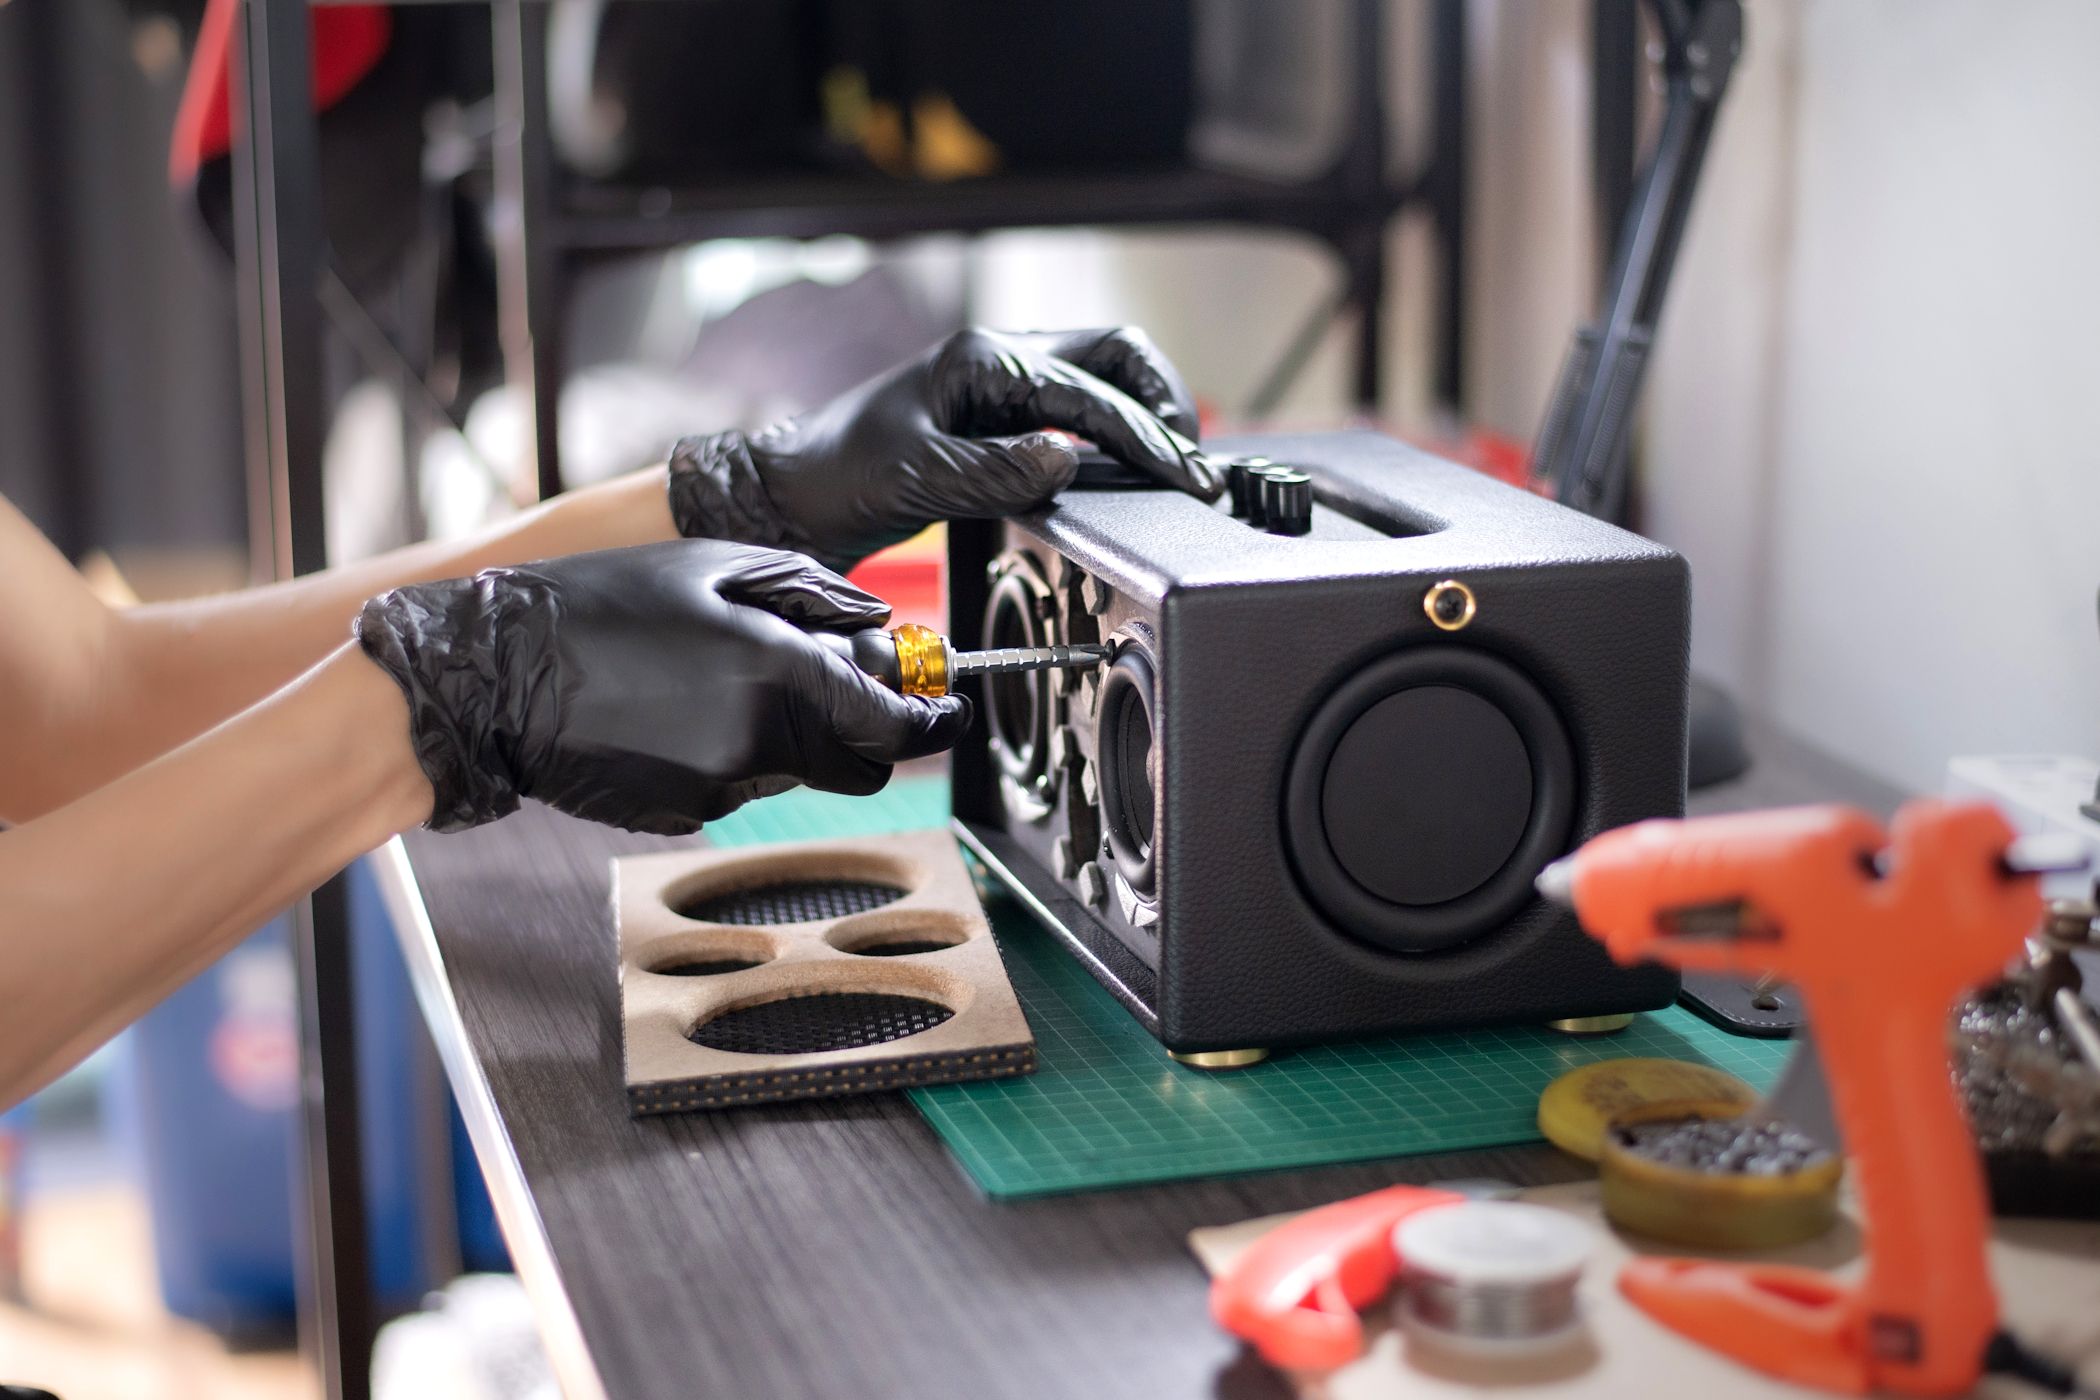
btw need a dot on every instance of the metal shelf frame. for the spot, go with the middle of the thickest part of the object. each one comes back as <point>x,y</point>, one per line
<point>547,227</point>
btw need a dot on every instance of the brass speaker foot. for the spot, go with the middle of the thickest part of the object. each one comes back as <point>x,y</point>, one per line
<point>1592,1025</point>
<point>1218,1059</point>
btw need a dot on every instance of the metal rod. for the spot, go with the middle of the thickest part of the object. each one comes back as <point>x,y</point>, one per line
<point>1583,449</point>
<point>1448,177</point>
<point>1615,91</point>
<point>528,270</point>
<point>1297,354</point>
<point>383,356</point>
<point>40,93</point>
<point>1360,240</point>
<point>278,243</point>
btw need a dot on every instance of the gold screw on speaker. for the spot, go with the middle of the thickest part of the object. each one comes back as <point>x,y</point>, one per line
<point>1450,605</point>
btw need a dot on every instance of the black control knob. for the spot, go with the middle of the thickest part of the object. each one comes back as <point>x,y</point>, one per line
<point>1286,501</point>
<point>1243,483</point>
<point>1259,470</point>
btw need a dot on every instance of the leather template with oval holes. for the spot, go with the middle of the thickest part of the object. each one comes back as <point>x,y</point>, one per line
<point>805,970</point>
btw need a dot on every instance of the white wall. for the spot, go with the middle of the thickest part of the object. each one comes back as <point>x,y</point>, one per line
<point>1224,303</point>
<point>1872,424</point>
<point>1532,275</point>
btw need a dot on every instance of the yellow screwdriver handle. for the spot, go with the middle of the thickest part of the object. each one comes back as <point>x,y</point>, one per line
<point>922,660</point>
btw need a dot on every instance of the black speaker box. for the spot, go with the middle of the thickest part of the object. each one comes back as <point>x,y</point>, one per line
<point>1308,797</point>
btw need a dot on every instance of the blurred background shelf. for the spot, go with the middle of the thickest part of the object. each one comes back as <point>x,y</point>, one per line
<point>598,217</point>
<point>548,221</point>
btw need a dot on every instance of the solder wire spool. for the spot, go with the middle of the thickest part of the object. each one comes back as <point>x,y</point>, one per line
<point>1492,1279</point>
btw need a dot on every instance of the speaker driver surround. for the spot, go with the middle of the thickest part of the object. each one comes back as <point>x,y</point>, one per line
<point>1018,705</point>
<point>1425,795</point>
<point>1128,766</point>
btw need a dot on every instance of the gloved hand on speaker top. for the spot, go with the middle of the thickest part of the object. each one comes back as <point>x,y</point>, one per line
<point>954,434</point>
<point>655,688</point>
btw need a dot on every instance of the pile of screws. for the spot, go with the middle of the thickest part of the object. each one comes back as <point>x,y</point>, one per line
<point>2028,1086</point>
<point>1739,1146</point>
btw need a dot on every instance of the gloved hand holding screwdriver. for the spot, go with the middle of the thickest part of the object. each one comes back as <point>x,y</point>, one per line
<point>662,688</point>
<point>654,688</point>
<point>230,753</point>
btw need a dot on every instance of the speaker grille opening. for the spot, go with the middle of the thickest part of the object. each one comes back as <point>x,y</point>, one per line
<point>706,967</point>
<point>806,1025</point>
<point>903,948</point>
<point>791,902</point>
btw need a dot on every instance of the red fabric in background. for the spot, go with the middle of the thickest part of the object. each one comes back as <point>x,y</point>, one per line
<point>348,41</point>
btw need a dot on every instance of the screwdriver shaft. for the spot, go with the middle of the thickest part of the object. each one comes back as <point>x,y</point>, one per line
<point>1007,659</point>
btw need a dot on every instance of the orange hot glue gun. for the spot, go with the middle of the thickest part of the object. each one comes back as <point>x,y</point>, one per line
<point>1881,934</point>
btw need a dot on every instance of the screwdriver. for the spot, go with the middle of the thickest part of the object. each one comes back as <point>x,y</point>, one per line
<point>915,660</point>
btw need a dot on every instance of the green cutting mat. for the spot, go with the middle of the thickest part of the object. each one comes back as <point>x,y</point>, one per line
<point>1106,1107</point>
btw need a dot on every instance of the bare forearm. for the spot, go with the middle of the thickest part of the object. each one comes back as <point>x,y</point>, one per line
<point>183,667</point>
<point>111,902</point>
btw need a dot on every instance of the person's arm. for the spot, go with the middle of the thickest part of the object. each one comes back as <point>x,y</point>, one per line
<point>88,692</point>
<point>114,900</point>
<point>656,688</point>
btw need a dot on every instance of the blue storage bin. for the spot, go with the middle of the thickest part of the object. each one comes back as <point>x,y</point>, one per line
<point>207,1086</point>
<point>209,1089</point>
<point>481,1247</point>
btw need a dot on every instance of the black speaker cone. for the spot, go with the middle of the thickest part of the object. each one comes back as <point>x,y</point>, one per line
<point>1427,739</point>
<point>1426,794</point>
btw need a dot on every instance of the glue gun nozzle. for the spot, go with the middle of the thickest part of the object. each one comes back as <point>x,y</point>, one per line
<point>1556,883</point>
<point>2045,854</point>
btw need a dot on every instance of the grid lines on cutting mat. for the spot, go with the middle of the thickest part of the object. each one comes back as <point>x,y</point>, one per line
<point>1107,1108</point>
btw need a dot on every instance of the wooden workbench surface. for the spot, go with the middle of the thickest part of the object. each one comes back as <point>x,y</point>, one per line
<point>828,1249</point>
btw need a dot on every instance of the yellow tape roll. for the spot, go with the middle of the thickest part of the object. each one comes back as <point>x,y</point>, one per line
<point>1576,1106</point>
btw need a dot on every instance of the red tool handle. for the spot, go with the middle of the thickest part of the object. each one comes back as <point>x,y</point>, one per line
<point>1296,1292</point>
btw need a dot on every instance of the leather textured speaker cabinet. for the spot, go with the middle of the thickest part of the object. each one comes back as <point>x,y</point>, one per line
<point>1309,795</point>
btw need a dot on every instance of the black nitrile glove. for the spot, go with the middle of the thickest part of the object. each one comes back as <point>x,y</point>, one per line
<point>955,434</point>
<point>654,688</point>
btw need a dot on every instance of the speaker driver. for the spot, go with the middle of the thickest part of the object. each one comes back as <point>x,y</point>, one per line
<point>1018,704</point>
<point>1129,766</point>
<point>1426,794</point>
